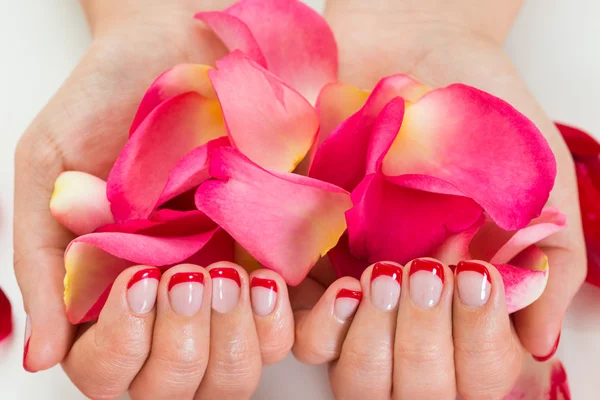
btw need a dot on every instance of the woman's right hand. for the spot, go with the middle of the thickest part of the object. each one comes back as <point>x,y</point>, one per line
<point>159,351</point>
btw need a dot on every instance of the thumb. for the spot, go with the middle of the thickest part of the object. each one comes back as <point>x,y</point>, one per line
<point>39,243</point>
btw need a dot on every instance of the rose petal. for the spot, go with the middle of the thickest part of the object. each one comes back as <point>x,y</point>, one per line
<point>341,159</point>
<point>476,143</point>
<point>285,221</point>
<point>456,247</point>
<point>390,222</point>
<point>172,130</point>
<point>6,324</point>
<point>524,278</point>
<point>182,78</point>
<point>296,42</point>
<point>499,246</point>
<point>580,143</point>
<point>589,200</point>
<point>343,262</point>
<point>93,261</point>
<point>268,121</point>
<point>79,202</point>
<point>537,380</point>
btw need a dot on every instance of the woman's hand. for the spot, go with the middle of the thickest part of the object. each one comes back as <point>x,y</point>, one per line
<point>192,333</point>
<point>160,351</point>
<point>419,332</point>
<point>440,42</point>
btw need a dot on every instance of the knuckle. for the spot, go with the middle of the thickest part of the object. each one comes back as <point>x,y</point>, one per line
<point>238,370</point>
<point>180,370</point>
<point>276,351</point>
<point>370,362</point>
<point>415,353</point>
<point>308,348</point>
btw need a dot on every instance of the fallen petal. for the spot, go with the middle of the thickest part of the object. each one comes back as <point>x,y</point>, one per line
<point>541,381</point>
<point>79,202</point>
<point>296,41</point>
<point>6,323</point>
<point>285,221</point>
<point>172,130</point>
<point>524,278</point>
<point>580,143</point>
<point>476,143</point>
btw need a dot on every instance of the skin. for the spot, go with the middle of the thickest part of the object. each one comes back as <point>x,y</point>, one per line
<point>85,125</point>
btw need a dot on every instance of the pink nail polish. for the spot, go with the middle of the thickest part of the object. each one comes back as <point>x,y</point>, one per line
<point>386,282</point>
<point>226,289</point>
<point>26,343</point>
<point>426,282</point>
<point>346,303</point>
<point>264,295</point>
<point>474,283</point>
<point>186,290</point>
<point>549,355</point>
<point>142,289</point>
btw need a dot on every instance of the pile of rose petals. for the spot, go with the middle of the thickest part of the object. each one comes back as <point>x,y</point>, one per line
<point>211,170</point>
<point>6,323</point>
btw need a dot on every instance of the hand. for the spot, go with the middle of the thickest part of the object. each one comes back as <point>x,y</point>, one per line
<point>439,43</point>
<point>420,332</point>
<point>181,348</point>
<point>83,128</point>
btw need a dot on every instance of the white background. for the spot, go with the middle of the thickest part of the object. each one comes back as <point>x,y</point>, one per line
<point>555,45</point>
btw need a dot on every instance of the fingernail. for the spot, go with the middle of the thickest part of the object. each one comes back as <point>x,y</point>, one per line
<point>186,290</point>
<point>474,283</point>
<point>346,303</point>
<point>226,289</point>
<point>386,281</point>
<point>264,295</point>
<point>426,283</point>
<point>26,341</point>
<point>549,356</point>
<point>141,290</point>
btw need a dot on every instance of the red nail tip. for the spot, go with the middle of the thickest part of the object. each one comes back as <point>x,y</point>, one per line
<point>350,294</point>
<point>386,269</point>
<point>25,351</point>
<point>185,277</point>
<point>229,273</point>
<point>427,265</point>
<point>265,283</point>
<point>551,354</point>
<point>473,267</point>
<point>148,273</point>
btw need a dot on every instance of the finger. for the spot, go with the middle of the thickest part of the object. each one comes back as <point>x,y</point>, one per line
<point>320,332</point>
<point>539,325</point>
<point>106,358</point>
<point>234,366</point>
<point>487,352</point>
<point>423,354</point>
<point>273,317</point>
<point>39,243</point>
<point>181,338</point>
<point>364,369</point>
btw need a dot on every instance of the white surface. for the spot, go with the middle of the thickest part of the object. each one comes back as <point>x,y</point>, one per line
<point>554,44</point>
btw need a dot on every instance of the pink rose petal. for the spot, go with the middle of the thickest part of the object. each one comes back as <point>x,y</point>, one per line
<point>342,157</point>
<point>537,381</point>
<point>79,202</point>
<point>390,222</point>
<point>285,221</point>
<point>343,262</point>
<point>296,42</point>
<point>269,122</point>
<point>171,130</point>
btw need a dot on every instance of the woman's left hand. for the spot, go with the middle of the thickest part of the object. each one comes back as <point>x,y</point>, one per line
<point>420,331</point>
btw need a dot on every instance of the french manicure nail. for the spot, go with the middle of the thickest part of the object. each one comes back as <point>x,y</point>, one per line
<point>426,282</point>
<point>186,290</point>
<point>141,290</point>
<point>386,282</point>
<point>264,295</point>
<point>551,354</point>
<point>474,283</point>
<point>226,289</point>
<point>346,303</point>
<point>26,343</point>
